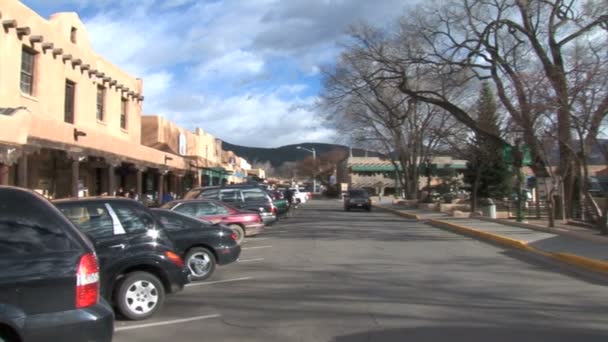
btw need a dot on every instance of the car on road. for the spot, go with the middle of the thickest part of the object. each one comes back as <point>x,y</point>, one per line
<point>358,199</point>
<point>49,275</point>
<point>138,262</point>
<point>202,245</point>
<point>241,196</point>
<point>242,222</point>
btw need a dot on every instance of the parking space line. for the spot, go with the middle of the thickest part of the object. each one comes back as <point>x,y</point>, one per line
<point>250,260</point>
<point>175,321</point>
<point>255,240</point>
<point>256,247</point>
<point>218,281</point>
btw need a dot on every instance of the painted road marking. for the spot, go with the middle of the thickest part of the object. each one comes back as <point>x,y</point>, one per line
<point>255,240</point>
<point>256,247</point>
<point>250,260</point>
<point>175,321</point>
<point>218,281</point>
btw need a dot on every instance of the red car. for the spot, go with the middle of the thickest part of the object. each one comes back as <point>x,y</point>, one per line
<point>242,222</point>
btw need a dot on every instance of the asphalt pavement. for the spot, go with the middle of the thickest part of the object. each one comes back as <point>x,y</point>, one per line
<point>330,275</point>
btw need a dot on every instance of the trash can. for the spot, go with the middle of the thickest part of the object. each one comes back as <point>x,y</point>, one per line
<point>489,208</point>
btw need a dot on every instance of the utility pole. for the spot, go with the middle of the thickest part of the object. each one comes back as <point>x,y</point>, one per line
<point>314,160</point>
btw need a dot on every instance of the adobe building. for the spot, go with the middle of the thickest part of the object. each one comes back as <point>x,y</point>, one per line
<point>209,164</point>
<point>378,175</point>
<point>70,121</point>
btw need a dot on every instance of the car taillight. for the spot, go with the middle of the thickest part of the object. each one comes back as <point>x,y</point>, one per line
<point>234,236</point>
<point>176,259</point>
<point>87,281</point>
<point>273,210</point>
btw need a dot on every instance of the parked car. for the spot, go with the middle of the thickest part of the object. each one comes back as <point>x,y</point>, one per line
<point>241,196</point>
<point>49,275</point>
<point>139,264</point>
<point>299,197</point>
<point>278,198</point>
<point>357,199</point>
<point>242,222</point>
<point>203,245</point>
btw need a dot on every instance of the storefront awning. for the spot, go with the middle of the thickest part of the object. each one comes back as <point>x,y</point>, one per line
<point>373,168</point>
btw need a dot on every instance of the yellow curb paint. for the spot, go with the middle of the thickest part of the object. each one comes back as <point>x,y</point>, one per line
<point>481,234</point>
<point>571,259</point>
<point>577,260</point>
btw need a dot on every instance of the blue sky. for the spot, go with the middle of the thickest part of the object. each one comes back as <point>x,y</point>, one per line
<point>246,71</point>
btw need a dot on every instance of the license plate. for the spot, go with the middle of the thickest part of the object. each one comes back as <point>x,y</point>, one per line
<point>359,205</point>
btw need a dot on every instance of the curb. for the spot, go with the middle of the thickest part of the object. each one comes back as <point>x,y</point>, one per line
<point>555,231</point>
<point>589,264</point>
<point>398,213</point>
<point>481,234</point>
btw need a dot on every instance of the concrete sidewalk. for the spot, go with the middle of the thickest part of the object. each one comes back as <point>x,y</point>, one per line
<point>580,251</point>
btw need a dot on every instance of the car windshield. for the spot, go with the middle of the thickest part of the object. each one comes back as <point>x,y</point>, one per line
<point>358,193</point>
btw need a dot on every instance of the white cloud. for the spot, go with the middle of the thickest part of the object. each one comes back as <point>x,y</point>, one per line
<point>258,119</point>
<point>237,63</point>
<point>156,84</point>
<point>183,49</point>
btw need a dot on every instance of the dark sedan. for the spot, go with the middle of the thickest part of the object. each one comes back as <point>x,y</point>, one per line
<point>201,244</point>
<point>357,199</point>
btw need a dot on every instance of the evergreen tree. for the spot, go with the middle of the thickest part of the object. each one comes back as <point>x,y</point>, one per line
<point>487,172</point>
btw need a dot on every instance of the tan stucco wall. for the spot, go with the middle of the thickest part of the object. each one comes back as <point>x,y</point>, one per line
<point>158,132</point>
<point>50,74</point>
<point>44,118</point>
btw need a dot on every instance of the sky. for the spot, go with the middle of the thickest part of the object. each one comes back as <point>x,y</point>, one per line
<point>246,71</point>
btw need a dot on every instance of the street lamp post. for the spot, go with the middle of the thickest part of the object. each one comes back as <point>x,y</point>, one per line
<point>314,158</point>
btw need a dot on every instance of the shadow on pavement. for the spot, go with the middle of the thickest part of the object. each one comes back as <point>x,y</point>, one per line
<point>472,334</point>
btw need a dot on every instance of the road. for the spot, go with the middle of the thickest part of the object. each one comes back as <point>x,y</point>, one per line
<point>329,275</point>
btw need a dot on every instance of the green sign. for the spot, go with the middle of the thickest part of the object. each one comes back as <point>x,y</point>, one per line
<point>508,155</point>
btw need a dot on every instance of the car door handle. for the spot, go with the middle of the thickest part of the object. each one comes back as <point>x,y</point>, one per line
<point>121,246</point>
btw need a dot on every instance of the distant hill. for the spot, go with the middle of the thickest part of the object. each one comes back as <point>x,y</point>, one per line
<point>278,155</point>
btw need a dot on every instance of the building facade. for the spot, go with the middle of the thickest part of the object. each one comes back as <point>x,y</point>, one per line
<point>379,175</point>
<point>71,122</point>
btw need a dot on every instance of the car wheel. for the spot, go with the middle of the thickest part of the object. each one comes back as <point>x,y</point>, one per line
<point>140,295</point>
<point>368,208</point>
<point>201,263</point>
<point>7,336</point>
<point>347,209</point>
<point>240,233</point>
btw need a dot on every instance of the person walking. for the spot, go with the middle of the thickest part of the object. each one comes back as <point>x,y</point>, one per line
<point>288,194</point>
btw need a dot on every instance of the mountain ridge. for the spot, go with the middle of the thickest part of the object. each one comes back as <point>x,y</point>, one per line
<point>287,153</point>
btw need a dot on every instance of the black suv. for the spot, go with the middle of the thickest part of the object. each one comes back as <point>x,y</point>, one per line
<point>49,276</point>
<point>138,261</point>
<point>242,196</point>
<point>357,199</point>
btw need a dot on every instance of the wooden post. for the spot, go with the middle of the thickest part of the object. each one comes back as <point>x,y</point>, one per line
<point>75,176</point>
<point>4,171</point>
<point>161,185</point>
<point>111,181</point>
<point>22,172</point>
<point>139,181</point>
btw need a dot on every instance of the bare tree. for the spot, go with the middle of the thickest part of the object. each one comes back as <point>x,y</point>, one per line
<point>369,108</point>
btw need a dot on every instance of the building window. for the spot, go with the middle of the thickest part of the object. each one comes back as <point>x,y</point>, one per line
<point>73,34</point>
<point>101,96</point>
<point>70,91</point>
<point>123,113</point>
<point>27,71</point>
